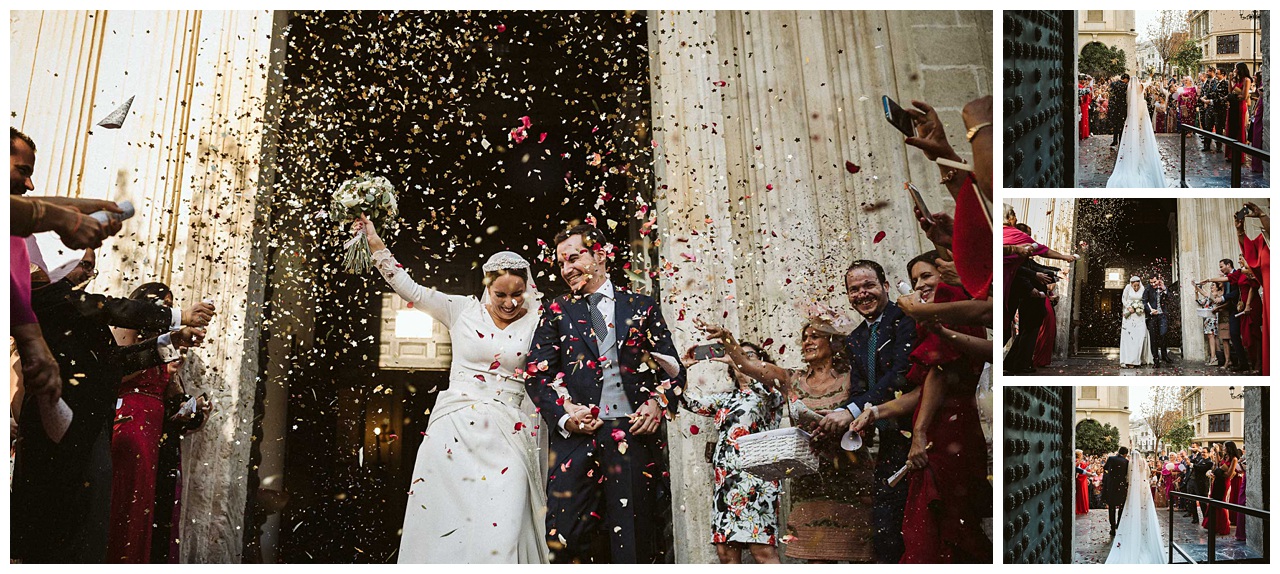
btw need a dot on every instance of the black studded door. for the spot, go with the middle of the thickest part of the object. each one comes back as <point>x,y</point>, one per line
<point>1039,98</point>
<point>1038,474</point>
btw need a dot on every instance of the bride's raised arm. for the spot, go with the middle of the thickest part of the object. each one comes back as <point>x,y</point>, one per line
<point>442,307</point>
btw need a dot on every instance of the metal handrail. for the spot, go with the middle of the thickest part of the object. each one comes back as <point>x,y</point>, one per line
<point>1212,526</point>
<point>1236,146</point>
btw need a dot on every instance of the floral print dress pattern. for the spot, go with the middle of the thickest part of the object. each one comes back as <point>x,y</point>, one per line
<point>745,507</point>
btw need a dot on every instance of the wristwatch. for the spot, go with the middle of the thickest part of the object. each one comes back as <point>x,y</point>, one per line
<point>973,131</point>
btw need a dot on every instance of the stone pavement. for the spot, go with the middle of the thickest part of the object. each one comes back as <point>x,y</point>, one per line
<point>1204,170</point>
<point>1093,538</point>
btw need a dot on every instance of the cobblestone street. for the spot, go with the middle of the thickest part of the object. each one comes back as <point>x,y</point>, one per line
<point>1204,170</point>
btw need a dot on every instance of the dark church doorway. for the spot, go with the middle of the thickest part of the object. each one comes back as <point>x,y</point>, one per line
<point>1121,238</point>
<point>498,129</point>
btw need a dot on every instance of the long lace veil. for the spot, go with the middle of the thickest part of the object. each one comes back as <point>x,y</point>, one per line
<point>1138,538</point>
<point>1138,162</point>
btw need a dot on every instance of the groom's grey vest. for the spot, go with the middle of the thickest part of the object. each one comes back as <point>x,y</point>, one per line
<point>613,398</point>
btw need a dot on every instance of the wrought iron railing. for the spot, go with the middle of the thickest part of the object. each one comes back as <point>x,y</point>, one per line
<point>1212,518</point>
<point>1237,159</point>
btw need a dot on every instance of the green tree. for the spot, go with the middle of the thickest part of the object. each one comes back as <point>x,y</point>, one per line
<point>1102,61</point>
<point>1187,58</point>
<point>1180,437</point>
<point>1094,438</point>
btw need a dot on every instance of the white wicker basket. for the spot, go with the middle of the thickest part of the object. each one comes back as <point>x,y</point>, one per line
<point>777,454</point>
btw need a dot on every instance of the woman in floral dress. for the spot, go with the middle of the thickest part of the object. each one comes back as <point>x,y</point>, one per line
<point>744,509</point>
<point>830,518</point>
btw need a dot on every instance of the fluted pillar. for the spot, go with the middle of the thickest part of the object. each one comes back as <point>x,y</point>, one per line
<point>187,157</point>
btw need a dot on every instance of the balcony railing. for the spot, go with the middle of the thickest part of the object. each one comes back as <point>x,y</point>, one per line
<point>1212,517</point>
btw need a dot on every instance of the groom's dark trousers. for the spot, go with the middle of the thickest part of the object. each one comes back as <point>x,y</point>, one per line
<point>610,506</point>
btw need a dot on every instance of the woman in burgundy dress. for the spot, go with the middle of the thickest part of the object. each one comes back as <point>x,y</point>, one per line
<point>1238,104</point>
<point>1255,124</point>
<point>1251,321</point>
<point>1219,488</point>
<point>949,493</point>
<point>135,445</point>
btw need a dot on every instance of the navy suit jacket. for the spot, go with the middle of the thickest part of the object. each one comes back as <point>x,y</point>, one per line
<point>572,358</point>
<point>895,339</point>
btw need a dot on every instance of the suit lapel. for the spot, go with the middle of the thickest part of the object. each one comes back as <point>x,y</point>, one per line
<point>622,312</point>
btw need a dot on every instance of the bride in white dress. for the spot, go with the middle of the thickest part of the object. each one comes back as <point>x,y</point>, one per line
<point>478,494</point>
<point>1135,346</point>
<point>1138,539</point>
<point>1138,162</point>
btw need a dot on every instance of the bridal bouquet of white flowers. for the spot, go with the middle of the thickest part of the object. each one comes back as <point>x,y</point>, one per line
<point>1134,308</point>
<point>375,198</point>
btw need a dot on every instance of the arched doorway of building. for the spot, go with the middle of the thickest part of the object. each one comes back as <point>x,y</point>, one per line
<point>1119,238</point>
<point>498,129</point>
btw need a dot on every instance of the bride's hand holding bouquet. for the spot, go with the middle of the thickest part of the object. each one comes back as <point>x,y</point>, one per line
<point>369,201</point>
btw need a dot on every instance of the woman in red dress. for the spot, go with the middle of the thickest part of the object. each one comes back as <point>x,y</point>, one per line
<point>1048,331</point>
<point>1082,483</point>
<point>135,446</point>
<point>1238,104</point>
<point>949,493</point>
<point>1086,98</point>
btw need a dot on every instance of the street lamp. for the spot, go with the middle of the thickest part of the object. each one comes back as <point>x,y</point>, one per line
<point>1232,392</point>
<point>1253,16</point>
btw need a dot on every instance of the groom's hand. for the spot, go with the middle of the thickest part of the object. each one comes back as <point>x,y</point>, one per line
<point>647,419</point>
<point>581,421</point>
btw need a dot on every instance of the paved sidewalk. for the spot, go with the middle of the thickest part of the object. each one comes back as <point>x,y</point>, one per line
<point>1204,170</point>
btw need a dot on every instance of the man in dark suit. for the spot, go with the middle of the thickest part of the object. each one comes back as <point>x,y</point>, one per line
<point>55,483</point>
<point>1207,88</point>
<point>1218,96</point>
<point>1118,108</point>
<point>878,351</point>
<point>1199,475</point>
<point>1115,486</point>
<point>1155,302</point>
<point>609,352</point>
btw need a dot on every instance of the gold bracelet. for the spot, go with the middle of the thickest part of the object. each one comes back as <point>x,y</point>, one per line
<point>951,174</point>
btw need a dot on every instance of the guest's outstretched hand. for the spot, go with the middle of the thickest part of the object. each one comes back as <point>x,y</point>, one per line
<point>930,136</point>
<point>834,423</point>
<point>918,457</point>
<point>864,421</point>
<point>939,230</point>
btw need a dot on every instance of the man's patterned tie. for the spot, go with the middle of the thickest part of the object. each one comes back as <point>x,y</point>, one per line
<point>871,354</point>
<point>600,330</point>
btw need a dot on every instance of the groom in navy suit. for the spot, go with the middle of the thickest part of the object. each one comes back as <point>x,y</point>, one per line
<point>878,352</point>
<point>603,372</point>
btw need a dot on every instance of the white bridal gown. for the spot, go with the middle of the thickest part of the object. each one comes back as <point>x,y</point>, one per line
<point>477,494</point>
<point>1138,159</point>
<point>1138,539</point>
<point>1135,347</point>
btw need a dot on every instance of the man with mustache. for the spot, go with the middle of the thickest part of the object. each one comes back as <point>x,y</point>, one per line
<point>878,350</point>
<point>608,492</point>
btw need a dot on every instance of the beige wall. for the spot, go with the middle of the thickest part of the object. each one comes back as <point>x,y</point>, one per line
<point>1227,22</point>
<point>188,157</point>
<point>1201,402</point>
<point>1110,406</point>
<point>1117,29</point>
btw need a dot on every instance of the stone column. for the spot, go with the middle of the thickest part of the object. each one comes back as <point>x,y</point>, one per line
<point>755,116</point>
<point>1257,446</point>
<point>187,156</point>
